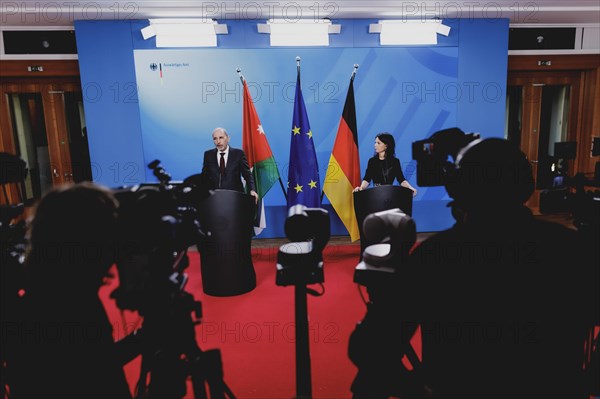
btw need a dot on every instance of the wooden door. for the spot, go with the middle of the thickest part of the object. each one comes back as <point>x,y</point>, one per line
<point>543,108</point>
<point>43,123</point>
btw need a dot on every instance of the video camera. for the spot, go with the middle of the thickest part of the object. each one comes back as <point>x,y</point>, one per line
<point>396,233</point>
<point>432,154</point>
<point>568,193</point>
<point>301,261</point>
<point>157,224</point>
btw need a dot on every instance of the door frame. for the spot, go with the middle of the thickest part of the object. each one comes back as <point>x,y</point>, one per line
<point>588,110</point>
<point>50,78</point>
<point>533,83</point>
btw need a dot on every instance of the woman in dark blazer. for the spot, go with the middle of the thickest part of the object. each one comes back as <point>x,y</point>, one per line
<point>384,167</point>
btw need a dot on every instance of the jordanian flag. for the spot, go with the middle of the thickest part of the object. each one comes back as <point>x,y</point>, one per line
<point>260,157</point>
<point>343,171</point>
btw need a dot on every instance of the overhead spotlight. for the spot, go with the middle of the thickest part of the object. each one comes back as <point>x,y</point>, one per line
<point>409,32</point>
<point>299,32</point>
<point>184,32</point>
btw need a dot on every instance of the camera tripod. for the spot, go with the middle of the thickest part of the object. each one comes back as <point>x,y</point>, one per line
<point>302,267</point>
<point>171,355</point>
<point>299,263</point>
<point>303,373</point>
<point>377,346</point>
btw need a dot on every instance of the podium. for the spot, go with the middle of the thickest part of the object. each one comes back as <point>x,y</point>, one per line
<point>225,252</point>
<point>377,199</point>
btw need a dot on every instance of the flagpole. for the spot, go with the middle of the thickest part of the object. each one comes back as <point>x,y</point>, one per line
<point>243,79</point>
<point>351,80</point>
<point>239,71</point>
<point>303,367</point>
<point>354,71</point>
<point>283,189</point>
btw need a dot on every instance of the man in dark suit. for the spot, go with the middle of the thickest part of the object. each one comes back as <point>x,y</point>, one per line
<point>224,166</point>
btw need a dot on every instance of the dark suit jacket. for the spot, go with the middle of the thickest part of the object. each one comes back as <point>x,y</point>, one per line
<point>237,166</point>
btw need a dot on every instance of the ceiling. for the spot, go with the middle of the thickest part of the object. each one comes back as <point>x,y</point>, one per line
<point>64,12</point>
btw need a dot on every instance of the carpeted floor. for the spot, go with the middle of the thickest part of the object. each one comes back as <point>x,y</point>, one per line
<point>256,332</point>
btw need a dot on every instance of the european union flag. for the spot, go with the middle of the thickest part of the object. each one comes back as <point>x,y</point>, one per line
<point>304,186</point>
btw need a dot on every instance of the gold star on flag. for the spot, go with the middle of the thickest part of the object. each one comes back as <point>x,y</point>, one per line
<point>309,134</point>
<point>312,184</point>
<point>260,129</point>
<point>298,188</point>
<point>296,130</point>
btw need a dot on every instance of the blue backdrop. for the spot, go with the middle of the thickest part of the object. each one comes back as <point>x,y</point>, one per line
<point>144,103</point>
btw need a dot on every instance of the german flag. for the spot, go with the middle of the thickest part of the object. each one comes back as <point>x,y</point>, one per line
<point>343,171</point>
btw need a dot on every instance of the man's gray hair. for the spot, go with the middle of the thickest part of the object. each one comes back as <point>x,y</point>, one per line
<point>222,129</point>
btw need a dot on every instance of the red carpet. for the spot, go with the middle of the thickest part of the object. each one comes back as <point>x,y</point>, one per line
<point>255,331</point>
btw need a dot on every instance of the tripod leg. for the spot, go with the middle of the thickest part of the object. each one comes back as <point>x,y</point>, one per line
<point>214,373</point>
<point>168,378</point>
<point>228,393</point>
<point>207,370</point>
<point>303,374</point>
<point>141,388</point>
<point>198,378</point>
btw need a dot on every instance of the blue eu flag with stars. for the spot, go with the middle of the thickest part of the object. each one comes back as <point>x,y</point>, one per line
<point>304,186</point>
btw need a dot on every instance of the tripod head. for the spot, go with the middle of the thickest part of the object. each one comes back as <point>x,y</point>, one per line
<point>301,261</point>
<point>395,233</point>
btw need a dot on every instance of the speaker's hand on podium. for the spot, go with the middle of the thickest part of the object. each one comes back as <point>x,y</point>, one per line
<point>364,184</point>
<point>406,184</point>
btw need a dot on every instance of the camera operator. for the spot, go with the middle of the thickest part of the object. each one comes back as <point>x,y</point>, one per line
<point>505,301</point>
<point>62,344</point>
